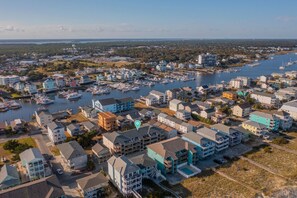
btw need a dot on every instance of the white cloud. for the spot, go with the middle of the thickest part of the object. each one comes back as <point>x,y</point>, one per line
<point>10,28</point>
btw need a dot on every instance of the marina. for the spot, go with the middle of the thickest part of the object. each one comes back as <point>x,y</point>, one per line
<point>139,88</point>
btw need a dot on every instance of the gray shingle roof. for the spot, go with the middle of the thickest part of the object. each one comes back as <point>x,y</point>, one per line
<point>8,171</point>
<point>30,154</point>
<point>123,165</point>
<point>55,125</point>
<point>71,150</point>
<point>92,181</point>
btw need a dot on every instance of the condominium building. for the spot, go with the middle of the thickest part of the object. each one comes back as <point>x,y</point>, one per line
<point>107,121</point>
<point>49,85</point>
<point>174,104</point>
<point>33,161</point>
<point>221,140</point>
<point>174,155</point>
<point>265,98</point>
<point>43,117</point>
<point>286,120</point>
<point>241,110</point>
<point>183,115</point>
<point>229,95</point>
<point>113,105</point>
<point>207,60</point>
<point>156,98</point>
<point>131,141</point>
<point>9,80</point>
<point>291,108</point>
<point>175,123</point>
<point>235,136</point>
<point>269,120</point>
<point>254,127</point>
<point>204,146</point>
<point>124,174</point>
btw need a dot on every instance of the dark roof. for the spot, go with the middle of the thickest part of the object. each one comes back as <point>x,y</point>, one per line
<point>107,101</point>
<point>244,105</point>
<point>55,125</point>
<point>8,170</point>
<point>48,187</point>
<point>122,100</point>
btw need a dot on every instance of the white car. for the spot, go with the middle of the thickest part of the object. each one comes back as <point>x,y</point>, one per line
<point>60,171</point>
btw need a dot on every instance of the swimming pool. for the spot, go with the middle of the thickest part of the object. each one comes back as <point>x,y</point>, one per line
<point>187,171</point>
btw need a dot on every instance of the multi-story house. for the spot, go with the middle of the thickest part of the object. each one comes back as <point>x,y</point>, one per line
<point>114,105</point>
<point>207,60</point>
<point>269,120</point>
<point>73,155</point>
<point>60,82</point>
<point>221,140</point>
<point>33,161</point>
<point>265,99</point>
<point>30,88</point>
<point>101,152</point>
<point>174,155</point>
<point>56,132</point>
<point>124,174</point>
<point>175,123</point>
<point>43,117</point>
<point>291,108</point>
<point>235,136</point>
<point>172,94</point>
<point>49,85</point>
<point>174,104</point>
<point>92,186</point>
<point>183,115</point>
<point>156,98</point>
<point>148,167</point>
<point>131,141</point>
<point>241,110</point>
<point>204,146</point>
<point>254,127</point>
<point>107,121</point>
<point>73,129</point>
<point>286,121</point>
<point>229,95</point>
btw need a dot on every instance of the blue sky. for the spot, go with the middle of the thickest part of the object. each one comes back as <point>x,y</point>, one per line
<point>148,19</point>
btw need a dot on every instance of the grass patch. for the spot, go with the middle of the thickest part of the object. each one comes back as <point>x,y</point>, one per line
<point>210,184</point>
<point>282,162</point>
<point>253,176</point>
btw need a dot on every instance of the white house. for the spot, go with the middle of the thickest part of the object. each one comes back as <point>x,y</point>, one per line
<point>33,161</point>
<point>291,108</point>
<point>56,132</point>
<point>73,155</point>
<point>174,104</point>
<point>265,98</point>
<point>43,117</point>
<point>124,174</point>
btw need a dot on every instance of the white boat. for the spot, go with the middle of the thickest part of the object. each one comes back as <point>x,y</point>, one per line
<point>44,101</point>
<point>3,107</point>
<point>254,64</point>
<point>13,105</point>
<point>73,96</point>
<point>136,88</point>
<point>281,67</point>
<point>290,63</point>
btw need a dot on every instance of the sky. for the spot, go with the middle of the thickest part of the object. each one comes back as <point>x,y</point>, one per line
<point>192,19</point>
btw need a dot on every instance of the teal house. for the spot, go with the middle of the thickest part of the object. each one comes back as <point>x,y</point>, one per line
<point>269,120</point>
<point>174,155</point>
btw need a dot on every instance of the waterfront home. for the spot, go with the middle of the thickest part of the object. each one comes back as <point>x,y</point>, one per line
<point>131,141</point>
<point>124,174</point>
<point>101,152</point>
<point>174,104</point>
<point>88,112</point>
<point>107,121</point>
<point>73,129</point>
<point>236,84</point>
<point>241,110</point>
<point>114,105</point>
<point>73,155</point>
<point>30,88</point>
<point>148,166</point>
<point>44,187</point>
<point>291,108</point>
<point>156,98</point>
<point>289,92</point>
<point>33,162</point>
<point>18,86</point>
<point>183,115</point>
<point>9,80</point>
<point>56,132</point>
<point>286,121</point>
<point>254,127</point>
<point>221,140</point>
<point>49,85</point>
<point>172,93</point>
<point>204,146</point>
<point>207,60</point>
<point>175,123</point>
<point>60,82</point>
<point>235,136</point>
<point>93,185</point>
<point>174,155</point>
<point>18,125</point>
<point>85,80</point>
<point>265,99</point>
<point>9,176</point>
<point>269,120</point>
